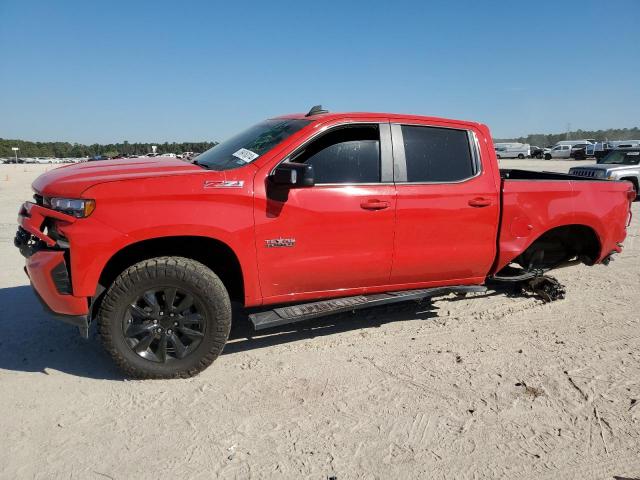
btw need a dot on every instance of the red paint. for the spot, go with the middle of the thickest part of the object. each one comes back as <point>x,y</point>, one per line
<point>348,239</point>
<point>39,268</point>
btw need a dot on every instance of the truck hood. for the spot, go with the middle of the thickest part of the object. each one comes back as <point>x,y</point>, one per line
<point>72,180</point>
<point>606,167</point>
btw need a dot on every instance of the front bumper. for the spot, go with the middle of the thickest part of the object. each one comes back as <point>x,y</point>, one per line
<point>80,321</point>
<point>47,269</point>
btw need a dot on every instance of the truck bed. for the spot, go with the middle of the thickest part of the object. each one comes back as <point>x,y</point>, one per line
<point>516,174</point>
<point>534,203</point>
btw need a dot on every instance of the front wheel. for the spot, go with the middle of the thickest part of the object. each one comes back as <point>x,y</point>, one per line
<point>547,156</point>
<point>165,317</point>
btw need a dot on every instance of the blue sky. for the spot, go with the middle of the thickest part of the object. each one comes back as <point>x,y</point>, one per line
<point>159,70</point>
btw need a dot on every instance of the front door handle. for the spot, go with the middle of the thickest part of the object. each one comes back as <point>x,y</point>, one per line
<point>480,202</point>
<point>374,205</point>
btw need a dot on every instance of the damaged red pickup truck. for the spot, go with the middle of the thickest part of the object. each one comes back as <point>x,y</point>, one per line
<point>297,217</point>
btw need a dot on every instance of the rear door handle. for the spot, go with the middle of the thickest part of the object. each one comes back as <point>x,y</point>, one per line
<point>479,202</point>
<point>374,205</point>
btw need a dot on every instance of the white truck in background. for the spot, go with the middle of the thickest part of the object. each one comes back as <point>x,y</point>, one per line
<point>564,148</point>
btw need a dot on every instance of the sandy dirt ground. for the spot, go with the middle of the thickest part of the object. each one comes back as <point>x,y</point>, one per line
<point>481,387</point>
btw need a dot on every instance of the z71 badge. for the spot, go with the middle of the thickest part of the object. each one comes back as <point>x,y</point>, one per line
<point>280,242</point>
<point>223,184</point>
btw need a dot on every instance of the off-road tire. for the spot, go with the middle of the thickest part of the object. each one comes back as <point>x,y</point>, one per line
<point>186,274</point>
<point>547,156</point>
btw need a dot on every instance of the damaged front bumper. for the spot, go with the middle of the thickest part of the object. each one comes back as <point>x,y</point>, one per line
<point>47,267</point>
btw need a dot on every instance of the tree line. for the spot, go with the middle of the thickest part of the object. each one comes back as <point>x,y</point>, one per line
<point>77,150</point>
<point>547,139</point>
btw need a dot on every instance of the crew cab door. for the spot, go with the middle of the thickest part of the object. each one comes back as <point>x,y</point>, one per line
<point>337,234</point>
<point>447,206</point>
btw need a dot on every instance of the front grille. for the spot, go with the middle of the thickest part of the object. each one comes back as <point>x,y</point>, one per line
<point>27,243</point>
<point>586,172</point>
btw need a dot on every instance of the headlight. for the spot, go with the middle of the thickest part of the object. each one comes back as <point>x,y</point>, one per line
<point>77,207</point>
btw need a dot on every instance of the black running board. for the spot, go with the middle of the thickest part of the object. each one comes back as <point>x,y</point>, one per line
<point>306,311</point>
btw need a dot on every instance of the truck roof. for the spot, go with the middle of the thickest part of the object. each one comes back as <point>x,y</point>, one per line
<point>391,116</point>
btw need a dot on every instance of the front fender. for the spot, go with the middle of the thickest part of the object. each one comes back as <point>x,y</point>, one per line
<point>134,211</point>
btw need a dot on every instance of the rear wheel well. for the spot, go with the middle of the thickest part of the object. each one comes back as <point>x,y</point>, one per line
<point>633,180</point>
<point>213,253</point>
<point>561,244</point>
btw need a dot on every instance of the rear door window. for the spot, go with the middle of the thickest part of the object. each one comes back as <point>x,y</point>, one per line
<point>435,154</point>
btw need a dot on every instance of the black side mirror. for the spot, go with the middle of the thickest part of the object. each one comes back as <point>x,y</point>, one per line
<point>293,175</point>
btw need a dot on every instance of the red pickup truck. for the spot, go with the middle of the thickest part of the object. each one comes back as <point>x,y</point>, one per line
<point>298,216</point>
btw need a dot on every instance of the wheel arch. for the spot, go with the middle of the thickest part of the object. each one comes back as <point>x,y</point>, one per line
<point>562,243</point>
<point>213,253</point>
<point>633,179</point>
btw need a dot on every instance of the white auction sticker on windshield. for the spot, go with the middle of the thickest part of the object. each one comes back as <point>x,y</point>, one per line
<point>245,155</point>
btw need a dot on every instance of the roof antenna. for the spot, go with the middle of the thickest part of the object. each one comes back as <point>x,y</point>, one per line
<point>316,110</point>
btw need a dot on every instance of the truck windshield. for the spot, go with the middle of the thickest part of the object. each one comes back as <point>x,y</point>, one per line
<point>622,158</point>
<point>245,147</point>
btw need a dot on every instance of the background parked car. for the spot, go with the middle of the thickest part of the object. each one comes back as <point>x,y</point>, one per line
<point>598,149</point>
<point>601,149</point>
<point>619,164</point>
<point>625,144</point>
<point>536,152</point>
<point>559,151</point>
<point>579,151</point>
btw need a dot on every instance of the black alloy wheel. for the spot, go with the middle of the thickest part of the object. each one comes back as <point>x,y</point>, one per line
<point>165,317</point>
<point>164,324</point>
